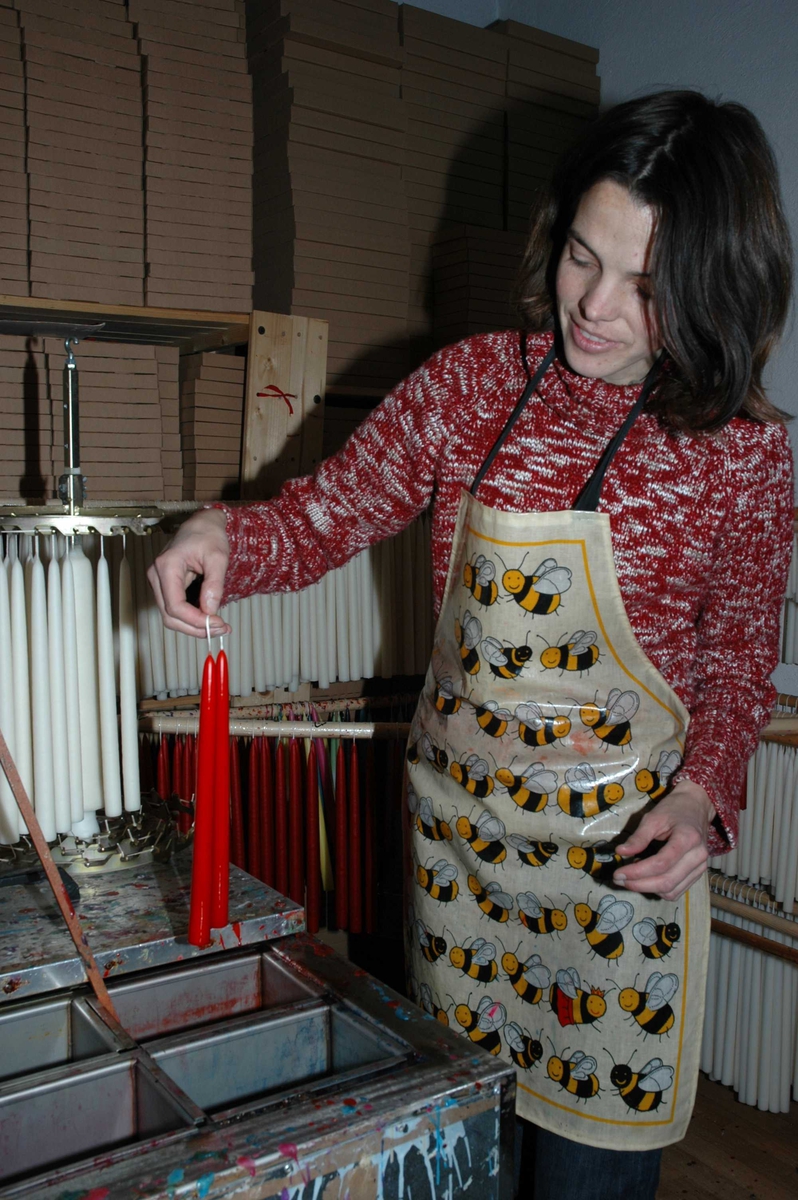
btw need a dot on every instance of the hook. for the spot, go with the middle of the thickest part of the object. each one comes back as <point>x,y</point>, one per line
<point>68,344</point>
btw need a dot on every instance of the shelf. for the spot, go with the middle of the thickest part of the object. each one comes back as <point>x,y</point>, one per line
<point>190,330</point>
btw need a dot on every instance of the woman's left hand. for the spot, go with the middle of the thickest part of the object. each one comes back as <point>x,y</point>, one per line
<point>680,820</point>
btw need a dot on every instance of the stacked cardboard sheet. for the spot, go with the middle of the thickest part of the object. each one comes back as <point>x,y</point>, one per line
<point>26,445</point>
<point>198,144</point>
<point>167,361</point>
<point>474,273</point>
<point>84,155</point>
<point>331,220</point>
<point>211,416</point>
<point>14,197</point>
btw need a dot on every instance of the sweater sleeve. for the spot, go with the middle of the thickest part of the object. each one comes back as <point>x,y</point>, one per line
<point>371,489</point>
<point>738,631</point>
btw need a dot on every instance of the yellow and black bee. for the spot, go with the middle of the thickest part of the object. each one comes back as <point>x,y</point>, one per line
<point>575,1074</point>
<point>492,719</point>
<point>602,926</point>
<point>611,722</point>
<point>532,853</point>
<point>506,662</point>
<point>656,938</point>
<point>444,698</point>
<point>494,903</point>
<point>432,945</point>
<point>537,918</point>
<point>530,790</point>
<point>486,837</point>
<point>642,1092</point>
<point>479,578</point>
<point>477,961</point>
<point>657,783</point>
<point>599,862</point>
<point>427,824</point>
<point>535,729</point>
<point>429,1005</point>
<point>439,880</point>
<point>651,1008</point>
<point>483,1024</point>
<point>579,653</point>
<point>571,1004</point>
<point>472,774</point>
<point>540,592</point>
<point>582,795</point>
<point>525,1051</point>
<point>433,754</point>
<point>468,636</point>
<point>530,979</point>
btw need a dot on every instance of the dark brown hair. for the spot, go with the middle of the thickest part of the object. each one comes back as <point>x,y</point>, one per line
<point>721,258</point>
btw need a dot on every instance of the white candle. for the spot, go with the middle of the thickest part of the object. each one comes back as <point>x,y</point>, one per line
<point>9,813</point>
<point>231,614</point>
<point>193,671</point>
<point>323,658</point>
<point>258,661</point>
<point>20,666</point>
<point>331,623</point>
<point>246,680</point>
<point>71,691</point>
<point>170,661</point>
<point>732,1004</point>
<point>128,710</point>
<point>156,629</point>
<point>58,720</point>
<point>352,577</point>
<point>87,680</point>
<point>278,646</point>
<point>141,592</point>
<point>377,556</point>
<point>305,647</point>
<point>367,612</point>
<point>293,607</point>
<point>183,663</point>
<point>389,614</point>
<point>109,733</point>
<point>267,636</point>
<point>342,625</point>
<point>40,702</point>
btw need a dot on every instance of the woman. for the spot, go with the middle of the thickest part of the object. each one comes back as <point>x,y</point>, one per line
<point>613,573</point>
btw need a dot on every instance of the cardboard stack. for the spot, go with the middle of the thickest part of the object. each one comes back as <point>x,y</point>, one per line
<point>198,153</point>
<point>14,198</point>
<point>167,360</point>
<point>474,270</point>
<point>211,417</point>
<point>84,155</point>
<point>331,221</point>
<point>25,414</point>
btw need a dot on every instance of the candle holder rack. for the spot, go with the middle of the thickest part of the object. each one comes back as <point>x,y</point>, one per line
<point>91,519</point>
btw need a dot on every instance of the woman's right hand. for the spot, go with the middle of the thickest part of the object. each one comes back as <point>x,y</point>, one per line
<point>200,547</point>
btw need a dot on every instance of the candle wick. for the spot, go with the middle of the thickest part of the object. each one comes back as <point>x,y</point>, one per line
<point>208,631</point>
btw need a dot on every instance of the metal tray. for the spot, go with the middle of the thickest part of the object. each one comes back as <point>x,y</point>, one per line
<point>34,1037</point>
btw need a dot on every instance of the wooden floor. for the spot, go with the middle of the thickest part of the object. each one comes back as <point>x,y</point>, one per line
<point>732,1152</point>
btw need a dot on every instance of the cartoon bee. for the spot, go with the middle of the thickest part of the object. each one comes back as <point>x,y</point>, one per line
<point>540,592</point>
<point>657,783</point>
<point>602,926</point>
<point>506,662</point>
<point>582,795</point>
<point>494,903</point>
<point>429,1005</point>
<point>444,698</point>
<point>530,979</point>
<point>472,774</point>
<point>479,578</point>
<point>492,719</point>
<point>532,853</point>
<point>538,919</point>
<point>478,960</point>
<point>611,723</point>
<point>656,938</point>
<point>485,838</point>
<point>483,1025</point>
<point>571,1004</point>
<point>525,1051</point>
<point>575,1075</point>
<point>427,823</point>
<point>439,880</point>
<point>651,1008</point>
<point>535,729</point>
<point>530,791</point>
<point>579,654</point>
<point>433,754</point>
<point>642,1092</point>
<point>468,636</point>
<point>432,946</point>
<point>599,862</point>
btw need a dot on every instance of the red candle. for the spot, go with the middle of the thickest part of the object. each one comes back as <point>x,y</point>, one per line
<point>267,810</point>
<point>199,916</point>
<point>253,813</point>
<point>237,818</point>
<point>341,849</point>
<point>162,776</point>
<point>313,907</point>
<point>220,884</point>
<point>180,776</point>
<point>191,766</point>
<point>280,822</point>
<point>296,883</point>
<point>369,875</point>
<point>355,866</point>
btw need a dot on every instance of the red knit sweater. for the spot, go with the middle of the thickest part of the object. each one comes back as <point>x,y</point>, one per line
<point>701,526</point>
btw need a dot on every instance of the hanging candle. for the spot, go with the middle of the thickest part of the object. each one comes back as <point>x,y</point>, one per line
<point>128,710</point>
<point>220,880</point>
<point>58,721</point>
<point>178,776</point>
<point>280,822</point>
<point>236,809</point>
<point>253,813</point>
<point>9,814</point>
<point>341,848</point>
<point>369,874</point>
<point>199,919</point>
<point>355,875</point>
<point>163,774</point>
<point>106,675</point>
<point>267,811</point>
<point>296,882</point>
<point>313,859</point>
<point>83,581</point>
<point>21,675</point>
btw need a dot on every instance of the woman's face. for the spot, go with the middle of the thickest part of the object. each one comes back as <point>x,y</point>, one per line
<point>603,287</point>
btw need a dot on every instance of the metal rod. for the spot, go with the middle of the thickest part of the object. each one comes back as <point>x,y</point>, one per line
<point>249,727</point>
<point>71,482</point>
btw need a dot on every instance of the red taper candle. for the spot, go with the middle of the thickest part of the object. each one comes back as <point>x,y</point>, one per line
<point>341,848</point>
<point>355,865</point>
<point>180,774</point>
<point>190,761</point>
<point>369,873</point>
<point>253,812</point>
<point>163,783</point>
<point>267,811</point>
<point>199,916</point>
<point>296,857</point>
<point>220,878</point>
<point>313,859</point>
<point>280,822</point>
<point>236,808</point>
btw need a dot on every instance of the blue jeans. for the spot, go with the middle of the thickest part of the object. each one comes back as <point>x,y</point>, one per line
<point>548,1167</point>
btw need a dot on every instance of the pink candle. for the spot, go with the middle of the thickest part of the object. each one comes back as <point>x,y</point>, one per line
<point>220,880</point>
<point>199,918</point>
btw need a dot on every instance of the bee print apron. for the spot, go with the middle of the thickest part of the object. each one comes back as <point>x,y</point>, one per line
<point>542,734</point>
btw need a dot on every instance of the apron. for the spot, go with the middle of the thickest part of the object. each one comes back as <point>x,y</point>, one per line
<point>542,734</point>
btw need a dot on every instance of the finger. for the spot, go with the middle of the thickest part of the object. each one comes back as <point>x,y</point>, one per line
<point>677,893</point>
<point>673,880</point>
<point>178,614</point>
<point>679,844</point>
<point>654,827</point>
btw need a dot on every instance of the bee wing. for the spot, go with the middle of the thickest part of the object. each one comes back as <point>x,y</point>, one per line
<point>497,895</point>
<point>553,582</point>
<point>531,714</point>
<point>655,1078</point>
<point>668,762</point>
<point>582,777</point>
<point>519,842</point>
<point>477,768</point>
<point>623,707</point>
<point>494,652</point>
<point>529,904</point>
<point>491,829</point>
<point>426,745</point>
<point>661,990</point>
<point>545,781</point>
<point>583,1067</point>
<point>536,972</point>
<point>490,705</point>
<point>491,1015</point>
<point>583,640</point>
<point>445,688</point>
<point>514,1036</point>
<point>423,933</point>
<point>486,570</point>
<point>616,916</point>
<point>426,996</point>
<point>485,954</point>
<point>544,567</point>
<point>472,630</point>
<point>444,872</point>
<point>503,713</point>
<point>645,931</point>
<point>425,810</point>
<point>568,981</point>
<point>412,801</point>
